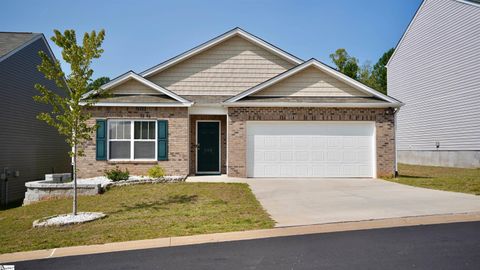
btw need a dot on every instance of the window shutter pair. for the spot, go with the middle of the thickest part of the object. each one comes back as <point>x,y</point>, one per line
<point>162,138</point>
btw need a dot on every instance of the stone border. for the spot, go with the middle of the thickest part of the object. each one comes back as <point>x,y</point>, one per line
<point>47,189</point>
<point>166,179</point>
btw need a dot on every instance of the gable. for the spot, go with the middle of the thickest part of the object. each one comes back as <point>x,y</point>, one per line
<point>225,69</point>
<point>311,82</point>
<point>133,86</point>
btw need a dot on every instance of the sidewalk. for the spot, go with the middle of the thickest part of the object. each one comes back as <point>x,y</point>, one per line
<point>236,236</point>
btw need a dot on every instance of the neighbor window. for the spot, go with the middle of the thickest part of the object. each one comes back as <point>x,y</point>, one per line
<point>132,140</point>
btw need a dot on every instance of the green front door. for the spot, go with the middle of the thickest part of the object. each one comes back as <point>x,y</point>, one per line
<point>208,147</point>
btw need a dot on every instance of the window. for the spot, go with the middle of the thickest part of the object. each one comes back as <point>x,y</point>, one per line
<point>132,140</point>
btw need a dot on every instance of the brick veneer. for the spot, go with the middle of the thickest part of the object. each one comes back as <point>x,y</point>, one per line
<point>178,147</point>
<point>223,140</point>
<point>384,123</point>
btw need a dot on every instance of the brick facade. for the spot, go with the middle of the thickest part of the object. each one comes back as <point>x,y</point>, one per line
<point>178,146</point>
<point>237,143</point>
<point>223,140</point>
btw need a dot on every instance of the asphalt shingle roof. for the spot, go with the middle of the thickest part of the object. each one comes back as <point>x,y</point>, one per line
<point>9,41</point>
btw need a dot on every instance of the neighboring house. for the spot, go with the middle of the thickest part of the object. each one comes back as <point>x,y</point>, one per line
<point>29,148</point>
<point>238,105</point>
<point>435,70</point>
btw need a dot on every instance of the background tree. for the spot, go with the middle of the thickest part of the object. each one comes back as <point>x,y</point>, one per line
<point>365,75</point>
<point>380,71</point>
<point>68,115</point>
<point>375,77</point>
<point>345,63</point>
<point>97,83</point>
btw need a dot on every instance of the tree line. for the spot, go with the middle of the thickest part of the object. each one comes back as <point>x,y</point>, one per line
<point>375,77</point>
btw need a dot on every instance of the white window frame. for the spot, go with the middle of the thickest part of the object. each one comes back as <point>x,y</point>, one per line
<point>132,139</point>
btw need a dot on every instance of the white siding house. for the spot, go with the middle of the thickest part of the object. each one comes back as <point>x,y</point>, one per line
<point>435,71</point>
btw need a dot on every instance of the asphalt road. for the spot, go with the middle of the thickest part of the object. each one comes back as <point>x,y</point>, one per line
<point>447,246</point>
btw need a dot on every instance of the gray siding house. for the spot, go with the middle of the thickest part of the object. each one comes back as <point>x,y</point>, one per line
<point>29,148</point>
<point>435,71</point>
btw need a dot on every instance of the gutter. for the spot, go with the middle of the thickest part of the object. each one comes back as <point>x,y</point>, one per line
<point>327,105</point>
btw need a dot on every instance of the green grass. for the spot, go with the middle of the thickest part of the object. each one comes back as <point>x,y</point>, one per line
<point>137,212</point>
<point>442,178</point>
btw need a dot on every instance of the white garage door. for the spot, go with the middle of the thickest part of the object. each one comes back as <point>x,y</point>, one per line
<point>310,149</point>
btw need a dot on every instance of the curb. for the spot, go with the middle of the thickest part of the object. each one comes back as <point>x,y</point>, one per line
<point>237,236</point>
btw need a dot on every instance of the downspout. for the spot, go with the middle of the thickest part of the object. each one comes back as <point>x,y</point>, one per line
<point>396,110</point>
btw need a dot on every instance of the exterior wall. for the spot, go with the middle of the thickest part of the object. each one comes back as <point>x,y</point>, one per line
<point>225,69</point>
<point>237,141</point>
<point>27,145</point>
<point>461,159</point>
<point>311,82</point>
<point>133,87</point>
<point>436,72</point>
<point>223,140</point>
<point>178,146</point>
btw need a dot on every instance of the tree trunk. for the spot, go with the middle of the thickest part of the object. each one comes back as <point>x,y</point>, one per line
<point>74,163</point>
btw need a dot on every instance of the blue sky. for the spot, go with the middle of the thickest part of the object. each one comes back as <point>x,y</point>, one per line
<point>141,34</point>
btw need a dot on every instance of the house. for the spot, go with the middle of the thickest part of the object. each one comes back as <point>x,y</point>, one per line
<point>435,70</point>
<point>238,105</point>
<point>29,148</point>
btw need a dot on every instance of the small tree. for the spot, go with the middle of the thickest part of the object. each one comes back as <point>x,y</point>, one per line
<point>69,114</point>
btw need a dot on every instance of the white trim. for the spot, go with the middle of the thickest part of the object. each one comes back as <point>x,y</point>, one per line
<point>405,33</point>
<point>374,149</point>
<point>207,110</point>
<point>327,105</point>
<point>131,104</point>
<point>219,147</point>
<point>469,3</point>
<point>314,63</point>
<point>132,75</point>
<point>234,32</point>
<point>23,45</point>
<point>132,139</point>
<point>226,142</point>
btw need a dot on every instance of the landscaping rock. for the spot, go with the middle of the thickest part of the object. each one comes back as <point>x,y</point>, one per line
<point>50,189</point>
<point>68,219</point>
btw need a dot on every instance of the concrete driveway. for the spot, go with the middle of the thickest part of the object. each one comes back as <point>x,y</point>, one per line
<point>301,202</point>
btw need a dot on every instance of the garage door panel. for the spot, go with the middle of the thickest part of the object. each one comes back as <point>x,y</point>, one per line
<point>310,149</point>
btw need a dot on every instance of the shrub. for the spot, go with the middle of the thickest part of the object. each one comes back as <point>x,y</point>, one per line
<point>117,174</point>
<point>156,172</point>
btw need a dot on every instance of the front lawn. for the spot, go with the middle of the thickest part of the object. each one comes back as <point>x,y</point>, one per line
<point>442,178</point>
<point>137,212</point>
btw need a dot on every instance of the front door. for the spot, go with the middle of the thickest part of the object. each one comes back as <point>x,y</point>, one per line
<point>208,147</point>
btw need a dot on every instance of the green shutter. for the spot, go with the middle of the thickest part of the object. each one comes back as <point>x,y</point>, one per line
<point>162,138</point>
<point>101,153</point>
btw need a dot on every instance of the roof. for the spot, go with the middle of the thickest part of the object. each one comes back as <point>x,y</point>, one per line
<point>313,99</point>
<point>217,40</point>
<point>130,75</point>
<point>342,102</point>
<point>10,42</point>
<point>138,99</point>
<point>315,63</point>
<point>202,99</point>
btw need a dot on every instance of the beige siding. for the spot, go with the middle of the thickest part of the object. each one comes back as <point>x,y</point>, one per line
<point>225,69</point>
<point>133,87</point>
<point>310,82</point>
